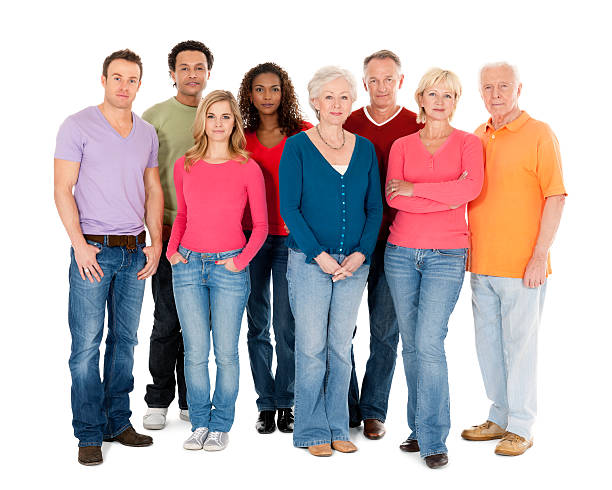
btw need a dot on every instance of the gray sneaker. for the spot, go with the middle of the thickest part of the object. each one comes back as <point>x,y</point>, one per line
<point>216,441</point>
<point>196,440</point>
<point>184,415</point>
<point>155,418</point>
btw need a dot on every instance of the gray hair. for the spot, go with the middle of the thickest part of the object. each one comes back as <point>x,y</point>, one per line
<point>328,74</point>
<point>499,64</point>
<point>383,54</point>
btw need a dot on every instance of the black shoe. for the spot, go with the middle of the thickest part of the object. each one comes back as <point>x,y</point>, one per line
<point>354,423</point>
<point>285,420</point>
<point>410,446</point>
<point>436,460</point>
<point>265,423</point>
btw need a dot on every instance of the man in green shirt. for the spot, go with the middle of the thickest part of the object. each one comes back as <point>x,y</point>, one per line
<point>190,63</point>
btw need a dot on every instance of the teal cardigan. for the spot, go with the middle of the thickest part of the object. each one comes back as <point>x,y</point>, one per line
<point>326,211</point>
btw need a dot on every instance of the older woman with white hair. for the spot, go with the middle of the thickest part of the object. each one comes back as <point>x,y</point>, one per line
<point>432,175</point>
<point>330,200</point>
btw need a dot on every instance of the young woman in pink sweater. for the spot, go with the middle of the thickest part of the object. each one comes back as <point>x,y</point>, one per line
<point>209,256</point>
<point>432,175</point>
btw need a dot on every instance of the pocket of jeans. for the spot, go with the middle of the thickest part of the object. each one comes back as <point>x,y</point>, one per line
<point>452,252</point>
<point>95,244</point>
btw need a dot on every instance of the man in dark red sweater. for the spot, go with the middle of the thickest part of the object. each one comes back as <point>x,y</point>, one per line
<point>382,122</point>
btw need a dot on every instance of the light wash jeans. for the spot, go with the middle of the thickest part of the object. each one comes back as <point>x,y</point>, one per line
<point>425,285</point>
<point>205,292</point>
<point>506,319</point>
<point>101,409</point>
<point>325,313</point>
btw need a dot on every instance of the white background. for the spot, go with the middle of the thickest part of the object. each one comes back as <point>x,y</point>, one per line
<point>52,54</point>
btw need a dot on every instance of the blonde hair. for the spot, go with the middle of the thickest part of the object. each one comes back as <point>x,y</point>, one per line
<point>328,74</point>
<point>433,77</point>
<point>237,141</point>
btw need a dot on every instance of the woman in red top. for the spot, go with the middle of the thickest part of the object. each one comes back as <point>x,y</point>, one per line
<point>209,256</point>
<point>271,114</point>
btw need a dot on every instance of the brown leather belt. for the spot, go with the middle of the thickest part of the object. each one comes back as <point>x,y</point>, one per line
<point>127,241</point>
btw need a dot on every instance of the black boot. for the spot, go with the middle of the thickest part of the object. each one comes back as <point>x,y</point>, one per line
<point>265,423</point>
<point>285,420</point>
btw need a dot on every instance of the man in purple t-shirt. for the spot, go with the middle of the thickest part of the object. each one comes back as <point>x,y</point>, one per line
<point>109,155</point>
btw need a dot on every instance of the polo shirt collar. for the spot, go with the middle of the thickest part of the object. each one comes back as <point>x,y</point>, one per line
<point>513,126</point>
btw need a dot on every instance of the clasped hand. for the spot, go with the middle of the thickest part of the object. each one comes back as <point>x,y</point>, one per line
<point>350,264</point>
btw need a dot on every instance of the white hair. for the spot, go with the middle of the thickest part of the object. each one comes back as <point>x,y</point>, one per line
<point>500,64</point>
<point>328,74</point>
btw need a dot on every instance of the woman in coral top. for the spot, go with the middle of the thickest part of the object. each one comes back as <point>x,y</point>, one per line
<point>271,114</point>
<point>209,256</point>
<point>432,175</point>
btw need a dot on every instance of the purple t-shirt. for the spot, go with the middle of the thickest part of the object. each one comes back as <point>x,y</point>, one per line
<point>109,192</point>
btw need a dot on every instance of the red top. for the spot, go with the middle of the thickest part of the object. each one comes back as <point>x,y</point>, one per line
<point>383,136</point>
<point>268,159</point>
<point>210,203</point>
<point>426,219</point>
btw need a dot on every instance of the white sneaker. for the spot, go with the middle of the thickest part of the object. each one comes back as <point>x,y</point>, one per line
<point>184,415</point>
<point>196,440</point>
<point>216,441</point>
<point>155,418</point>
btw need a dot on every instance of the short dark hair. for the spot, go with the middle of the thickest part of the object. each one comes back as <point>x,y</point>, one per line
<point>124,54</point>
<point>189,46</point>
<point>382,55</point>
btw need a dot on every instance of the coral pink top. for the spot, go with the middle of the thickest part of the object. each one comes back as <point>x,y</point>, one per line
<point>425,220</point>
<point>210,203</point>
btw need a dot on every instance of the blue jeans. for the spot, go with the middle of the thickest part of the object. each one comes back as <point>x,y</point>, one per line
<point>325,314</point>
<point>205,292</point>
<point>274,390</point>
<point>506,319</point>
<point>384,337</point>
<point>425,285</point>
<point>101,409</point>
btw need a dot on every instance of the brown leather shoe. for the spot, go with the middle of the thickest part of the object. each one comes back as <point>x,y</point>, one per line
<point>344,446</point>
<point>512,445</point>
<point>90,455</point>
<point>320,450</point>
<point>410,446</point>
<point>129,437</point>
<point>436,460</point>
<point>483,432</point>
<point>373,429</point>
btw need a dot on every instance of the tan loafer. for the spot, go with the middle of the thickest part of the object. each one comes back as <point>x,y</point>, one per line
<point>320,450</point>
<point>344,446</point>
<point>512,445</point>
<point>483,432</point>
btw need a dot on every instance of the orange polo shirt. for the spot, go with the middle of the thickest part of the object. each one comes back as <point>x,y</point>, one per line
<point>522,168</point>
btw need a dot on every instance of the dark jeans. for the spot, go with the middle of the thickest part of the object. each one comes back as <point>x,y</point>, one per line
<point>275,391</point>
<point>166,348</point>
<point>101,408</point>
<point>384,338</point>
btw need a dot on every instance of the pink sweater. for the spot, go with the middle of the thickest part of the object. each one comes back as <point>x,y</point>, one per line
<point>425,220</point>
<point>210,204</point>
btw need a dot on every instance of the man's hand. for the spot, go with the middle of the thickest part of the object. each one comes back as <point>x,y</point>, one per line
<point>535,272</point>
<point>85,256</point>
<point>152,253</point>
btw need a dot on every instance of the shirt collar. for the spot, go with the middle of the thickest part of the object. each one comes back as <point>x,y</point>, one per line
<point>513,126</point>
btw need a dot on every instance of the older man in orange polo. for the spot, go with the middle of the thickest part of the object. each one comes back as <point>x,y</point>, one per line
<point>512,224</point>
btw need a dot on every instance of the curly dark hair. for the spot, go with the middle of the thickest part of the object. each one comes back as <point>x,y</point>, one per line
<point>290,117</point>
<point>189,46</point>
